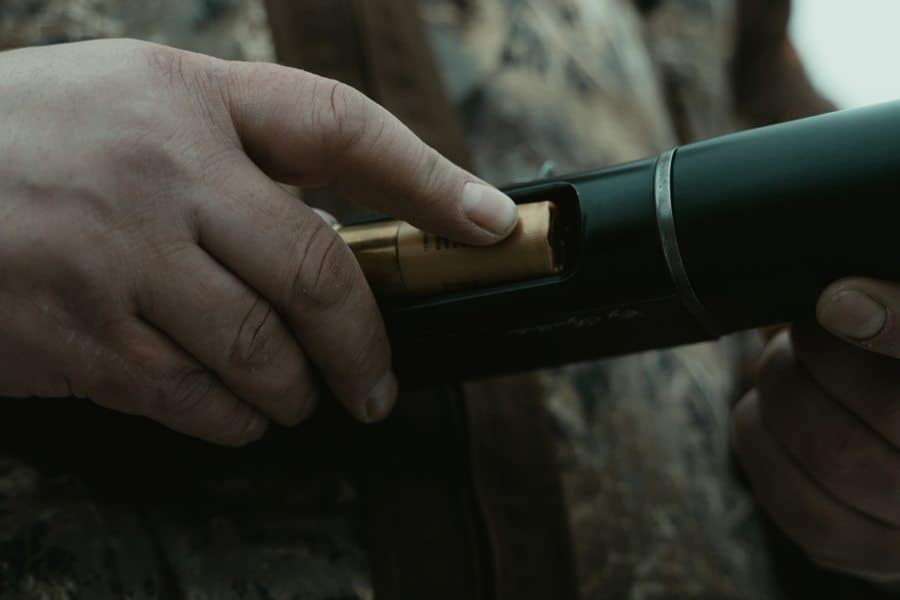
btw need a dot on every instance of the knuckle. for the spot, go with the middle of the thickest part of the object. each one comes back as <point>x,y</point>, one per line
<point>434,182</point>
<point>324,273</point>
<point>185,391</point>
<point>340,114</point>
<point>431,167</point>
<point>255,341</point>
<point>205,79</point>
<point>169,63</point>
<point>259,342</point>
<point>179,67</point>
<point>844,456</point>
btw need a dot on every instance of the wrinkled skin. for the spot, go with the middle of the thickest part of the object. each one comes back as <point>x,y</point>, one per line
<point>150,261</point>
<point>819,437</point>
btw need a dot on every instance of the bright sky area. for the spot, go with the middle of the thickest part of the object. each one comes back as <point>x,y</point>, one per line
<point>851,48</point>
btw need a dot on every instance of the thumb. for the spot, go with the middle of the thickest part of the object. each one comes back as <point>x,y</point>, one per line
<point>307,130</point>
<point>863,312</point>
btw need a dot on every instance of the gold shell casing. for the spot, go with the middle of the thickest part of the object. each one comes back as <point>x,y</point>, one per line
<point>401,260</point>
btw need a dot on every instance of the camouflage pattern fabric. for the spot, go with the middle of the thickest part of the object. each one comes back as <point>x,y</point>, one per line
<point>233,29</point>
<point>643,440</point>
<point>654,508</point>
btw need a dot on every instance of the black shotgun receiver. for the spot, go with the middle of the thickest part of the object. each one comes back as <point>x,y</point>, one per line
<point>710,238</point>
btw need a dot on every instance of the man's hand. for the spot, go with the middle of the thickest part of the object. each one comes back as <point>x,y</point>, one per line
<point>820,435</point>
<point>150,261</point>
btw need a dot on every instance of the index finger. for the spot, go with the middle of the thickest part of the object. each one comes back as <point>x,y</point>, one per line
<point>304,129</point>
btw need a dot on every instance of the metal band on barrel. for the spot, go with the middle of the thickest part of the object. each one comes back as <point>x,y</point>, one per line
<point>665,221</point>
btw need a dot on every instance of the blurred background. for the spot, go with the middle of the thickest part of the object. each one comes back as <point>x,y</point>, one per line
<point>851,49</point>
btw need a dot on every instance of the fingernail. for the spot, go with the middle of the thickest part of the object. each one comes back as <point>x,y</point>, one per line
<point>255,429</point>
<point>327,217</point>
<point>489,208</point>
<point>853,315</point>
<point>381,398</point>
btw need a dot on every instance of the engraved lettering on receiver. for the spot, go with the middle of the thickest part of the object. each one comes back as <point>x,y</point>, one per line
<point>616,314</point>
